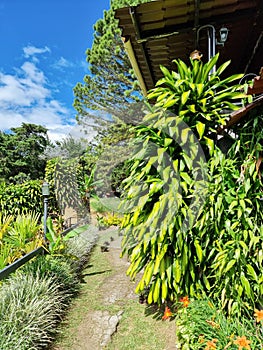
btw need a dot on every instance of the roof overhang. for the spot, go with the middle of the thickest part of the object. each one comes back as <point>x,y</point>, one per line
<point>160,31</point>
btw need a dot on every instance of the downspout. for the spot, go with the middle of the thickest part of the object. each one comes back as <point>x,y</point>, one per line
<point>211,35</point>
<point>129,49</point>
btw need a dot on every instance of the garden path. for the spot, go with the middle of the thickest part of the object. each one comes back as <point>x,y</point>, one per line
<point>97,314</point>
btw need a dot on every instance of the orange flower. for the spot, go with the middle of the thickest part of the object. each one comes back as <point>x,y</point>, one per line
<point>167,313</point>
<point>259,315</point>
<point>201,338</point>
<point>243,343</point>
<point>213,324</point>
<point>211,345</point>
<point>185,301</point>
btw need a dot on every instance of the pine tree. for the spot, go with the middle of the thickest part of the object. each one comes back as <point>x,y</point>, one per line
<point>111,87</point>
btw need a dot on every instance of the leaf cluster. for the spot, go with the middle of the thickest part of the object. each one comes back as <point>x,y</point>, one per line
<point>193,227</point>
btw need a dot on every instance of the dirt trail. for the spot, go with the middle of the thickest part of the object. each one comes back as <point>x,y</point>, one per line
<point>97,323</point>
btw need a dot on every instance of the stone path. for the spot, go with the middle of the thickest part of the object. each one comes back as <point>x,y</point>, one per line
<point>96,327</point>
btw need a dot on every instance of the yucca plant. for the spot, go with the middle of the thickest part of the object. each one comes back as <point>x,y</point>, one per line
<point>167,186</point>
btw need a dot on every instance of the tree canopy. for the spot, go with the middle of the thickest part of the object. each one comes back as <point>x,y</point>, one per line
<point>111,86</point>
<point>21,153</point>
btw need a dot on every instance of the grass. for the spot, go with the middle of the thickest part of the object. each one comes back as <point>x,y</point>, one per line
<point>136,330</point>
<point>140,332</point>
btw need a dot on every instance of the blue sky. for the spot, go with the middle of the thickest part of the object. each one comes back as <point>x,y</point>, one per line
<point>42,57</point>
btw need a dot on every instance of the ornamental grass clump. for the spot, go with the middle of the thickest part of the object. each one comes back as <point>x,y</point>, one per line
<point>30,307</point>
<point>58,268</point>
<point>80,247</point>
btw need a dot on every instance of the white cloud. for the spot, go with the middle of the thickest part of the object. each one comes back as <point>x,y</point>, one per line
<point>23,89</point>
<point>26,96</point>
<point>32,50</point>
<point>62,63</point>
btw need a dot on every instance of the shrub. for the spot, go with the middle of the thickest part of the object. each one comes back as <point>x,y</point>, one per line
<point>58,268</point>
<point>30,307</point>
<point>18,236</point>
<point>109,220</point>
<point>34,299</point>
<point>167,184</point>
<point>24,232</point>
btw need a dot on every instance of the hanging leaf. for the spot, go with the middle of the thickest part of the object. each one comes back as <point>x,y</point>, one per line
<point>200,127</point>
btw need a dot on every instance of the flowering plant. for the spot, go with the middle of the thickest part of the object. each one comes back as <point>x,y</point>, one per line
<point>203,325</point>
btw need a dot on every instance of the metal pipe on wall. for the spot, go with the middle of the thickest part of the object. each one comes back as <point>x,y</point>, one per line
<point>211,36</point>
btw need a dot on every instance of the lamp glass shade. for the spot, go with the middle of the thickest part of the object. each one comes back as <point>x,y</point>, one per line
<point>223,34</point>
<point>45,189</point>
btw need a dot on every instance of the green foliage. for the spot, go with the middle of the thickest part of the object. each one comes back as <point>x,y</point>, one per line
<point>34,299</point>
<point>22,153</point>
<point>201,99</point>
<point>192,227</point>
<point>30,308</point>
<point>111,87</point>
<point>231,236</point>
<point>18,198</point>
<point>57,240</point>
<point>18,236</point>
<point>112,220</point>
<point>81,245</point>
<point>58,268</point>
<point>202,322</point>
<point>24,233</point>
<point>66,178</point>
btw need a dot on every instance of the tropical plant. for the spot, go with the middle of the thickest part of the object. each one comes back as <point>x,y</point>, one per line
<point>57,240</point>
<point>5,221</point>
<point>231,235</point>
<point>168,187</point>
<point>19,198</point>
<point>18,236</point>
<point>65,177</point>
<point>7,255</point>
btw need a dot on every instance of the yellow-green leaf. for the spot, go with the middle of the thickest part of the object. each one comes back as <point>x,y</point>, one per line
<point>185,96</point>
<point>200,127</point>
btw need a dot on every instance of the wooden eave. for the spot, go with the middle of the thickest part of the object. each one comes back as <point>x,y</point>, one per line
<point>163,30</point>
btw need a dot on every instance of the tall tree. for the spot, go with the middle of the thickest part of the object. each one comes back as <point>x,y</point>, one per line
<point>22,153</point>
<point>111,85</point>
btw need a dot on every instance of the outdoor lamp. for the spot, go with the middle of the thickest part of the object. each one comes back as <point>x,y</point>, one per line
<point>45,189</point>
<point>45,193</point>
<point>223,32</point>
